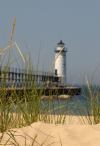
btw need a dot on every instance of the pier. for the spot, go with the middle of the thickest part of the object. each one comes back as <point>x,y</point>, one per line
<point>21,80</point>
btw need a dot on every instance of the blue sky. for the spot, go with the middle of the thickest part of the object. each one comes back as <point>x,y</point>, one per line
<point>40,24</point>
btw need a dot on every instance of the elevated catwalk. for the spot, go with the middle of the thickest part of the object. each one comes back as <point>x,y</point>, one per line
<point>20,81</point>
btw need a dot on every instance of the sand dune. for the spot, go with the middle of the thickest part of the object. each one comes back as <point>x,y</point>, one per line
<point>74,134</point>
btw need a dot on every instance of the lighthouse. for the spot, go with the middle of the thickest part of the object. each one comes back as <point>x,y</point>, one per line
<point>60,61</point>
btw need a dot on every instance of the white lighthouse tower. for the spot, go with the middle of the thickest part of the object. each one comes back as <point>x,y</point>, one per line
<point>60,61</point>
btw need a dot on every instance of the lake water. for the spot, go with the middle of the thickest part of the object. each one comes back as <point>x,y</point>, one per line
<point>76,105</point>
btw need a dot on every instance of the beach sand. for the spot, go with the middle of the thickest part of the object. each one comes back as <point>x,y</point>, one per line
<point>75,133</point>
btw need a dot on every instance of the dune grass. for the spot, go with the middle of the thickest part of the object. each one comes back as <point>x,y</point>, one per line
<point>22,109</point>
<point>92,94</point>
<point>18,110</point>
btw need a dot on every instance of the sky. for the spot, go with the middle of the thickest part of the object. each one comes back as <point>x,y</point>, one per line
<point>40,24</point>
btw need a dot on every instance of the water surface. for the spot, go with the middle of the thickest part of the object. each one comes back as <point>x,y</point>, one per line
<point>76,105</point>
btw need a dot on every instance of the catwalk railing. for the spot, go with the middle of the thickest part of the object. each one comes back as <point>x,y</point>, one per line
<point>20,78</point>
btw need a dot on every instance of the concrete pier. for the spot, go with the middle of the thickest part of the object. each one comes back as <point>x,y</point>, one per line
<point>43,91</point>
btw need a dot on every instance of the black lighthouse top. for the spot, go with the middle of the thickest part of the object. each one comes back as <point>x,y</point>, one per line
<point>60,43</point>
<point>60,47</point>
